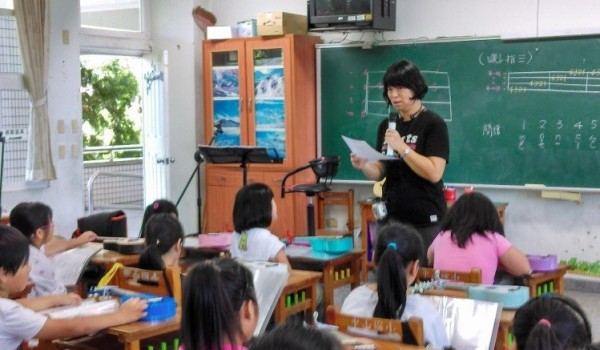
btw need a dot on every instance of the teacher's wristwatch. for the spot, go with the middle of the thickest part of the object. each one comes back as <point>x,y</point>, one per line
<point>406,152</point>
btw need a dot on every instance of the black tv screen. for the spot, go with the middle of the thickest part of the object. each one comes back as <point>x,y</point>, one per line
<point>342,7</point>
<point>325,15</point>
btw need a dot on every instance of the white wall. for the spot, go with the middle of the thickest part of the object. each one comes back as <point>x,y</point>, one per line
<point>533,224</point>
<point>65,195</point>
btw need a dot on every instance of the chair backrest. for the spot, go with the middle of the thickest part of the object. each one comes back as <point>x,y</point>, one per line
<point>159,282</point>
<point>325,167</point>
<point>428,273</point>
<point>381,325</point>
<point>336,198</point>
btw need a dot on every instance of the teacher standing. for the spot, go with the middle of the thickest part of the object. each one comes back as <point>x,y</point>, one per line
<point>413,192</point>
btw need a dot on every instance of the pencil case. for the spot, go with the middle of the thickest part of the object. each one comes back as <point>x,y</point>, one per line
<point>215,240</point>
<point>331,245</point>
<point>543,262</point>
<point>511,297</point>
<point>159,308</point>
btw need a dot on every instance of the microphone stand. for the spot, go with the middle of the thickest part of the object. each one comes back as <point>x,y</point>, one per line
<point>199,158</point>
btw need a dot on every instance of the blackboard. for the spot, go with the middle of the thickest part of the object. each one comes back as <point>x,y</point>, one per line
<point>521,112</point>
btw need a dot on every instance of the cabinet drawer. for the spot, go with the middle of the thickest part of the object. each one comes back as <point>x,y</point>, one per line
<point>223,178</point>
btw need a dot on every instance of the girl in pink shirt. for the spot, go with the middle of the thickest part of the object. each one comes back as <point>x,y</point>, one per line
<point>473,236</point>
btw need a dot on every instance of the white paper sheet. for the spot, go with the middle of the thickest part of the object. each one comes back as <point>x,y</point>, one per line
<point>362,149</point>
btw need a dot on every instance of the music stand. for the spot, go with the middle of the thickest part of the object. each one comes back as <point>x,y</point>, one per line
<point>238,154</point>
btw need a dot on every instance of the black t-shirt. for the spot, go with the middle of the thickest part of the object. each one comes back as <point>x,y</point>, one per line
<point>410,198</point>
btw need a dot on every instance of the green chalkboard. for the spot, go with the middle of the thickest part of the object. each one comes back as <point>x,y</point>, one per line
<point>518,113</point>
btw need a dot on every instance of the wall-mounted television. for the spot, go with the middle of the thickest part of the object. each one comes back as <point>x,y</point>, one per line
<point>325,15</point>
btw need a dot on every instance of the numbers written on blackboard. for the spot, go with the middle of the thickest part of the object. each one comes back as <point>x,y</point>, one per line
<point>549,134</point>
<point>543,134</point>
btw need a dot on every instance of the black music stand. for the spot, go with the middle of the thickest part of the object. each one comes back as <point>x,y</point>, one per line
<point>238,154</point>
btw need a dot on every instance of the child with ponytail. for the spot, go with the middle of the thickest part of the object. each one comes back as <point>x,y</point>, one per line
<point>157,207</point>
<point>221,310</point>
<point>164,238</point>
<point>551,322</point>
<point>398,253</point>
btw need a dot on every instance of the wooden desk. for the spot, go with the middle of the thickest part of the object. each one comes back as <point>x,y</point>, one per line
<point>502,340</point>
<point>385,345</point>
<point>299,283</point>
<point>548,281</point>
<point>338,270</point>
<point>107,258</point>
<point>132,334</point>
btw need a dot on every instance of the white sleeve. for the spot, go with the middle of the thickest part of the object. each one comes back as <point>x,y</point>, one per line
<point>274,246</point>
<point>18,323</point>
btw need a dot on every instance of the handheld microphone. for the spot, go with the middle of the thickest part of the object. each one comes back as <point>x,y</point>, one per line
<point>391,125</point>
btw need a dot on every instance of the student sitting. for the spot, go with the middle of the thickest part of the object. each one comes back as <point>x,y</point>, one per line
<point>551,322</point>
<point>157,207</point>
<point>472,236</point>
<point>253,211</point>
<point>19,320</point>
<point>293,336</point>
<point>164,241</point>
<point>221,310</point>
<point>34,220</point>
<point>398,251</point>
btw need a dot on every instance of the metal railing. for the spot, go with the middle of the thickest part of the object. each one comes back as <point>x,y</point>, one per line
<point>90,190</point>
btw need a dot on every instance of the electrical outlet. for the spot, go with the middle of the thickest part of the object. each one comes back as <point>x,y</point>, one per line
<point>331,223</point>
<point>75,126</point>
<point>61,151</point>
<point>60,126</point>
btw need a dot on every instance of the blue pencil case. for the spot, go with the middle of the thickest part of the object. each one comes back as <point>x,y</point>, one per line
<point>159,308</point>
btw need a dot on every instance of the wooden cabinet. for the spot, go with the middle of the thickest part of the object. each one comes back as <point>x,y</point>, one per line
<point>260,92</point>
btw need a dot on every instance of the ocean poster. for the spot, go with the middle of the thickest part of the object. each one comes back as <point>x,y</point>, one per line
<point>273,141</point>
<point>226,115</point>
<point>226,82</point>
<point>270,114</point>
<point>268,82</point>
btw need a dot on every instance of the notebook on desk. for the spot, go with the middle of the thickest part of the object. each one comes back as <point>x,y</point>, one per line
<point>269,280</point>
<point>70,264</point>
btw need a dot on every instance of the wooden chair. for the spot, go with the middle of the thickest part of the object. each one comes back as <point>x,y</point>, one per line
<point>427,274</point>
<point>473,276</point>
<point>157,282</point>
<point>381,325</point>
<point>163,283</point>
<point>340,199</point>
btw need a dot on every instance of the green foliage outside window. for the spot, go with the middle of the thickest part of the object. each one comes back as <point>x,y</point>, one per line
<point>107,95</point>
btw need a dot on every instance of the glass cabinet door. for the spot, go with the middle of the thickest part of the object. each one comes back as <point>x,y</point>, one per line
<point>269,101</point>
<point>226,98</point>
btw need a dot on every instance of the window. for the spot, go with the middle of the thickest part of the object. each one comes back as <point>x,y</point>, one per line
<point>14,100</point>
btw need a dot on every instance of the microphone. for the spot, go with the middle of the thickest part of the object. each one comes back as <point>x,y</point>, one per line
<point>391,125</point>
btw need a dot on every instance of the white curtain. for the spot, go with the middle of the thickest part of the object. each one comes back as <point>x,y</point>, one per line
<point>33,17</point>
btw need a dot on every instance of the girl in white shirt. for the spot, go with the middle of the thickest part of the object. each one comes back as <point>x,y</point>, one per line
<point>398,251</point>
<point>253,211</point>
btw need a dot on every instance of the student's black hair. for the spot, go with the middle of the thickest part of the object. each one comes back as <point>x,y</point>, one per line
<point>163,231</point>
<point>553,322</point>
<point>15,249</point>
<point>471,213</point>
<point>252,207</point>
<point>397,246</point>
<point>156,207</point>
<point>213,294</point>
<point>404,74</point>
<point>295,336</point>
<point>27,217</point>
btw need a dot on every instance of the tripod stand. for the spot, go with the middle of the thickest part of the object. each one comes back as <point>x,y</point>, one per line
<point>199,158</point>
